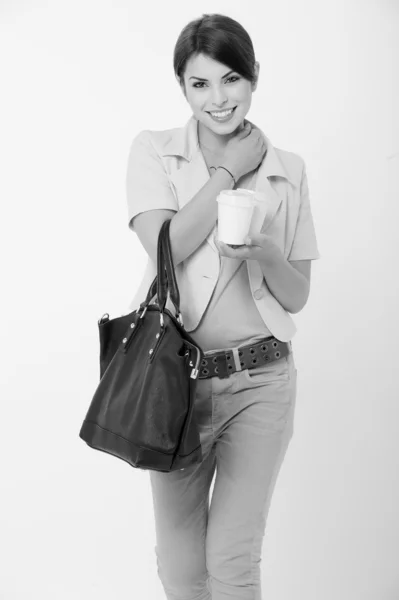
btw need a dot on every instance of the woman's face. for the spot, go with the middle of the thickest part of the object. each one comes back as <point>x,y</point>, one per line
<point>212,86</point>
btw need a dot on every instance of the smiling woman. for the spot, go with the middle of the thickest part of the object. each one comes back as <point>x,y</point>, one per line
<point>213,90</point>
<point>236,304</point>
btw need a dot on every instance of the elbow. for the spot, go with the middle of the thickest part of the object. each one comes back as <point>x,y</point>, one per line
<point>300,301</point>
<point>176,256</point>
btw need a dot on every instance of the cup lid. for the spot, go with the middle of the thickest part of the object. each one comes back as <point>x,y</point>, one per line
<point>240,201</point>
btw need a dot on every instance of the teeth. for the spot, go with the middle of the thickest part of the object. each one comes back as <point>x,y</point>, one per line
<point>222,114</point>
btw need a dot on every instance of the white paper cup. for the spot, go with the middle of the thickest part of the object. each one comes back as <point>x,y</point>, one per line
<point>235,210</point>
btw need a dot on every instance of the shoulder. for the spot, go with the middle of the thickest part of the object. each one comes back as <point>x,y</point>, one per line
<point>292,162</point>
<point>158,139</point>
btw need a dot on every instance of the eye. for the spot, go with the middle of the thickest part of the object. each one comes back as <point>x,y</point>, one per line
<point>200,83</point>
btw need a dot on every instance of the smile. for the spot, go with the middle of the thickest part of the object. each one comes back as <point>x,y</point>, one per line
<point>222,115</point>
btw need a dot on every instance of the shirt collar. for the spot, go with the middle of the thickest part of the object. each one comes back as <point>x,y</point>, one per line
<point>184,142</point>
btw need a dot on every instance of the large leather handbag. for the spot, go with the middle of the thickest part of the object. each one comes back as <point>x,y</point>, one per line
<point>142,410</point>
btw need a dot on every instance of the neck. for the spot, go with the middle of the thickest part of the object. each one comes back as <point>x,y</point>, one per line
<point>213,142</point>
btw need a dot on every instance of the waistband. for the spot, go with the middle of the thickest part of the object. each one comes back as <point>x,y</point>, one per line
<point>222,363</point>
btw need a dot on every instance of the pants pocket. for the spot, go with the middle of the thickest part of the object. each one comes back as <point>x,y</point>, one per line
<point>277,370</point>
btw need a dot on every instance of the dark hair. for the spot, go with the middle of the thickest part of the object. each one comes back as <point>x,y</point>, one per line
<point>218,37</point>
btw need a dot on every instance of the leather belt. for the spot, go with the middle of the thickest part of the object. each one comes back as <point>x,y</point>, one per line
<point>223,363</point>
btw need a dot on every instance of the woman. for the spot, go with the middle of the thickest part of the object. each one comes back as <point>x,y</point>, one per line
<point>234,302</point>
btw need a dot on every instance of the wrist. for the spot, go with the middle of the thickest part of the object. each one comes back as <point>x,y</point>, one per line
<point>224,176</point>
<point>231,170</point>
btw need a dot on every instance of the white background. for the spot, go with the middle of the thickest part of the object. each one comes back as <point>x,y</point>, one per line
<point>79,80</point>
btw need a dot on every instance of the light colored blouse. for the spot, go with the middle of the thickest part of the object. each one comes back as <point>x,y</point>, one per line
<point>165,170</point>
<point>231,318</point>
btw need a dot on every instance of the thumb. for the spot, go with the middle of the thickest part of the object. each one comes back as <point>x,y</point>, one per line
<point>245,130</point>
<point>255,239</point>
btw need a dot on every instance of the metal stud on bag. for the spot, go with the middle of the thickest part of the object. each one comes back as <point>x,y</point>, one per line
<point>125,339</point>
<point>157,337</point>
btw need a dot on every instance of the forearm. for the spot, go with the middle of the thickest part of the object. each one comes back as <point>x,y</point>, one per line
<point>193,223</point>
<point>287,285</point>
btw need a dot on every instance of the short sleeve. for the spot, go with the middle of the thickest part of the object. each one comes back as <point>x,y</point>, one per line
<point>147,183</point>
<point>304,246</point>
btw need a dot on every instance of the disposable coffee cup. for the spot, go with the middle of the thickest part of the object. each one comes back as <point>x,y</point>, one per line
<point>260,208</point>
<point>235,210</point>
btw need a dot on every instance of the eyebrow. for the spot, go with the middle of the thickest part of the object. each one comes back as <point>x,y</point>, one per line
<point>201,79</point>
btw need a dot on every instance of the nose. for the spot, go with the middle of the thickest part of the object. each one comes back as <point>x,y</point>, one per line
<point>219,99</point>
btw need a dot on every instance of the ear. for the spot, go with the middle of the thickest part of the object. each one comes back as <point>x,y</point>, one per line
<point>181,84</point>
<point>257,69</point>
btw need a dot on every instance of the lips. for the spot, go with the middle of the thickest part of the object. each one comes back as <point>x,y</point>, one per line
<point>234,107</point>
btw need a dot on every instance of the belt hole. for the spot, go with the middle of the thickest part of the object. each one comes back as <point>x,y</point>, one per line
<point>230,367</point>
<point>205,371</point>
<point>267,358</point>
<point>239,353</point>
<point>214,360</point>
<point>275,344</point>
<point>277,354</point>
<point>216,369</point>
<point>252,351</point>
<point>264,348</point>
<point>228,357</point>
<point>254,361</point>
<point>242,364</point>
<point>204,362</point>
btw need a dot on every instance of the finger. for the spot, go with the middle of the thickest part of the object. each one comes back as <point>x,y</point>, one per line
<point>241,253</point>
<point>228,251</point>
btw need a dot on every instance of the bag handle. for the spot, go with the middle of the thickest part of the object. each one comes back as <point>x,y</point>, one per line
<point>154,285</point>
<point>165,280</point>
<point>162,278</point>
<point>170,269</point>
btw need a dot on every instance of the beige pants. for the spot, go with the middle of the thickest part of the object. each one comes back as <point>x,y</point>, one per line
<point>212,551</point>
